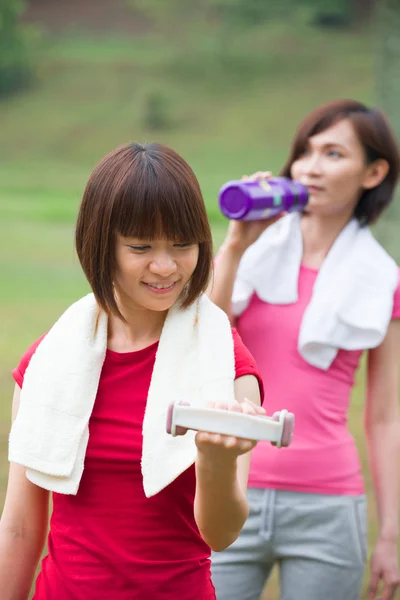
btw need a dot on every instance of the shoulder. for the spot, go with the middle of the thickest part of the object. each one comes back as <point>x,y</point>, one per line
<point>385,267</point>
<point>396,299</point>
<point>377,256</point>
<point>19,371</point>
<point>245,363</point>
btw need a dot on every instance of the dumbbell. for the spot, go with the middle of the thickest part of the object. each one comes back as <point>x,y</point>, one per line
<point>277,429</point>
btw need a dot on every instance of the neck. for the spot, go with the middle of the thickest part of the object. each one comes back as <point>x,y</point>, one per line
<point>319,233</point>
<point>141,328</point>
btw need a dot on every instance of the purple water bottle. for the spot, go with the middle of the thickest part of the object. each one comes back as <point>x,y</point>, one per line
<point>256,200</point>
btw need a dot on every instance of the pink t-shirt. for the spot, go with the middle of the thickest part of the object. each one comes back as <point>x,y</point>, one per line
<point>323,457</point>
<point>110,542</point>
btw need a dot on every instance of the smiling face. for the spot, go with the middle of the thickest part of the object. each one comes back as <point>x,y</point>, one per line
<point>143,225</point>
<point>152,274</point>
<point>333,166</point>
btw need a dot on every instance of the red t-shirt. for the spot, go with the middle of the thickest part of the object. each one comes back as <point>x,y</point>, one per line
<point>110,542</point>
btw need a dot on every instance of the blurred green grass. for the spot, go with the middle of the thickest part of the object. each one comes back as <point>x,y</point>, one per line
<point>227,115</point>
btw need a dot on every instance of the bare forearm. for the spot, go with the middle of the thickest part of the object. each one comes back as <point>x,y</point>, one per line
<point>221,507</point>
<point>225,270</point>
<point>384,453</point>
<point>19,557</point>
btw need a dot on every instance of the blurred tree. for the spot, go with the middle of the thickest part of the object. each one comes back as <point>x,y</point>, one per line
<point>388,59</point>
<point>341,13</point>
<point>326,13</point>
<point>156,114</point>
<point>362,10</point>
<point>210,32</point>
<point>16,71</point>
<point>219,18</point>
<point>388,94</point>
<point>253,12</point>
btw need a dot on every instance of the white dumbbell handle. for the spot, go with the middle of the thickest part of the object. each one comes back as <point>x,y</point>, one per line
<point>213,420</point>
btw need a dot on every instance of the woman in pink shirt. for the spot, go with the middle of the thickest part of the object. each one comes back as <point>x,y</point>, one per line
<point>144,243</point>
<point>308,509</point>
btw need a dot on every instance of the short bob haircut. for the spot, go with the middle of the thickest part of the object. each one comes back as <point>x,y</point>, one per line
<point>377,139</point>
<point>146,191</point>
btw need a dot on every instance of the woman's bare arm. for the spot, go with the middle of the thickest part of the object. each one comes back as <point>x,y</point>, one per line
<point>382,423</point>
<point>23,529</point>
<point>222,469</point>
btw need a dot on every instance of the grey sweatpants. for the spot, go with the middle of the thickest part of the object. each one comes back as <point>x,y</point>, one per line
<point>319,542</point>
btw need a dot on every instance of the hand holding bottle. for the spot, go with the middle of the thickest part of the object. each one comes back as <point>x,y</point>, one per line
<point>241,233</point>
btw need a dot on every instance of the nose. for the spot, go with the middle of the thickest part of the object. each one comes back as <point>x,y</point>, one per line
<point>163,265</point>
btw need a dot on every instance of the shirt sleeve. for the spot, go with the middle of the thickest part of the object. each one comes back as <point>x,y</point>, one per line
<point>245,363</point>
<point>19,371</point>
<point>396,301</point>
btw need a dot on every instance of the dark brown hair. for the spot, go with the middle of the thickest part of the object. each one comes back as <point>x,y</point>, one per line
<point>146,191</point>
<point>374,134</point>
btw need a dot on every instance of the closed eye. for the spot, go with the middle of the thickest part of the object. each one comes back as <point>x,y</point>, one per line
<point>139,248</point>
<point>184,245</point>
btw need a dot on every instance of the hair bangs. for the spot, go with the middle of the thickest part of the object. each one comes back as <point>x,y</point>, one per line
<point>154,207</point>
<point>314,126</point>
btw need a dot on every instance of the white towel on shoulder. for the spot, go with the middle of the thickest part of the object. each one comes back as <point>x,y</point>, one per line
<point>194,361</point>
<point>352,300</point>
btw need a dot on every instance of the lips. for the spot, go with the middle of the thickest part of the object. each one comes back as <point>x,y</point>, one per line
<point>314,188</point>
<point>160,288</point>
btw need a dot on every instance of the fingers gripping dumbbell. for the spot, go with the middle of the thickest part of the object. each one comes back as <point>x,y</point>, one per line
<point>277,429</point>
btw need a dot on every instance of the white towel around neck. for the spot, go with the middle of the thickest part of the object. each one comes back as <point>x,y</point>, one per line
<point>194,362</point>
<point>352,300</point>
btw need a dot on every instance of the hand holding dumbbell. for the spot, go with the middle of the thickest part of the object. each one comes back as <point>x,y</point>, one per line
<point>277,429</point>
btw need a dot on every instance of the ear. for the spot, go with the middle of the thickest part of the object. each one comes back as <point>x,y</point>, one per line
<point>375,173</point>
